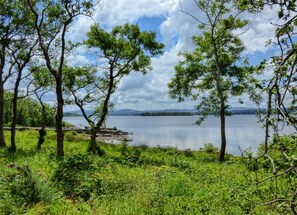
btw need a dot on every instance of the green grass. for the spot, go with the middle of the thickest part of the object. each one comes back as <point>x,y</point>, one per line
<point>126,180</point>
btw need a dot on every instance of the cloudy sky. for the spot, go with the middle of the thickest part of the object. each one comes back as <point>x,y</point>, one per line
<point>174,29</point>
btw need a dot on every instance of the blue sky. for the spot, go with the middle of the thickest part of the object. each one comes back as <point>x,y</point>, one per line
<point>175,30</point>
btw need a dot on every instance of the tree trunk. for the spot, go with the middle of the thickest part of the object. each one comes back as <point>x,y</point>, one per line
<point>107,98</point>
<point>222,101</point>
<point>42,131</point>
<point>2,61</point>
<point>223,131</point>
<point>2,139</point>
<point>59,117</point>
<point>93,140</point>
<point>14,112</point>
<point>13,122</point>
<point>267,120</point>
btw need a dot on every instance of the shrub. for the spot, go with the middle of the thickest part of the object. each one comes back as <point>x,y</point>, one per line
<point>19,190</point>
<point>210,148</point>
<point>23,187</point>
<point>188,153</point>
<point>99,150</point>
<point>129,157</point>
<point>73,176</point>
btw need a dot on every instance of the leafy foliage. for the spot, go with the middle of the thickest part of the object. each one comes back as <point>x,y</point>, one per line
<point>29,112</point>
<point>278,157</point>
<point>22,186</point>
<point>215,70</point>
<point>125,49</point>
<point>73,176</point>
<point>128,157</point>
<point>210,148</point>
<point>52,21</point>
<point>278,165</point>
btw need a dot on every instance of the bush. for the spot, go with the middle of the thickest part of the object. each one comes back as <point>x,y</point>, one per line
<point>188,153</point>
<point>210,148</point>
<point>99,150</point>
<point>19,190</point>
<point>129,157</point>
<point>73,176</point>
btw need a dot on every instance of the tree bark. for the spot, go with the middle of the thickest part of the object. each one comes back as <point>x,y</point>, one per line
<point>59,117</point>
<point>14,111</point>
<point>93,140</point>
<point>2,139</point>
<point>2,61</point>
<point>222,106</point>
<point>267,120</point>
<point>14,117</point>
<point>223,131</point>
<point>107,98</point>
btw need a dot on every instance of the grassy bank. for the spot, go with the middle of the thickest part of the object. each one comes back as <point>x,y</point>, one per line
<point>125,180</point>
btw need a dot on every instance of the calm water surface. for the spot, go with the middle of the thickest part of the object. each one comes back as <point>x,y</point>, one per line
<point>180,132</point>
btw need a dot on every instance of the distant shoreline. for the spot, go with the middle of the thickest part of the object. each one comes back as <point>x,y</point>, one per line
<point>166,112</point>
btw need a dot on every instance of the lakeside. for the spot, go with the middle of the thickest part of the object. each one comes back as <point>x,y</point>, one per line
<point>126,180</point>
<point>180,132</point>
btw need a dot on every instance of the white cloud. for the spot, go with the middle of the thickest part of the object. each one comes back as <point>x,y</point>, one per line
<point>78,31</point>
<point>260,30</point>
<point>116,12</point>
<point>150,91</point>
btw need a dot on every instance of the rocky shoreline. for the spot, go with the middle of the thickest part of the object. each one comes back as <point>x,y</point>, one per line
<point>113,135</point>
<point>110,135</point>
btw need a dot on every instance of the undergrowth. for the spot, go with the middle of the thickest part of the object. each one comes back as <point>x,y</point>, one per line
<point>125,180</point>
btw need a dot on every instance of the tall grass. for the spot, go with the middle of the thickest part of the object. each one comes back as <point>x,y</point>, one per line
<point>126,180</point>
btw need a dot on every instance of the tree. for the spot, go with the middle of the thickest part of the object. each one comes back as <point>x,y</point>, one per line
<point>13,23</point>
<point>279,153</point>
<point>52,20</point>
<point>20,53</point>
<point>43,84</point>
<point>124,49</point>
<point>214,71</point>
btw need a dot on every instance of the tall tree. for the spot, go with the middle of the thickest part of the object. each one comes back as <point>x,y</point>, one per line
<point>13,22</point>
<point>20,53</point>
<point>52,20</point>
<point>214,71</point>
<point>124,49</point>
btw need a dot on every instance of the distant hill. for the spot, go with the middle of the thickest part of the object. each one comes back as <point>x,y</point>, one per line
<point>77,113</point>
<point>136,112</point>
<point>166,112</point>
<point>125,112</point>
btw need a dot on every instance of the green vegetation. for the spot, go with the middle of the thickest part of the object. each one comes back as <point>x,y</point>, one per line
<point>118,179</point>
<point>126,49</point>
<point>29,112</point>
<point>215,71</point>
<point>130,180</point>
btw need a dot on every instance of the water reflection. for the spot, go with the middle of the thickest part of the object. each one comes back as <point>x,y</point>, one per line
<point>180,132</point>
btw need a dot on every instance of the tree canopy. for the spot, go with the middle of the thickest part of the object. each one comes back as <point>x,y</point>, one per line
<point>215,70</point>
<point>125,49</point>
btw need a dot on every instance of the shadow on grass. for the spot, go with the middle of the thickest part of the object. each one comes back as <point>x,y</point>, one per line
<point>19,154</point>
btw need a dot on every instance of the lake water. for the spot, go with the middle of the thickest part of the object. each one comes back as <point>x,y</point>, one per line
<point>180,132</point>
